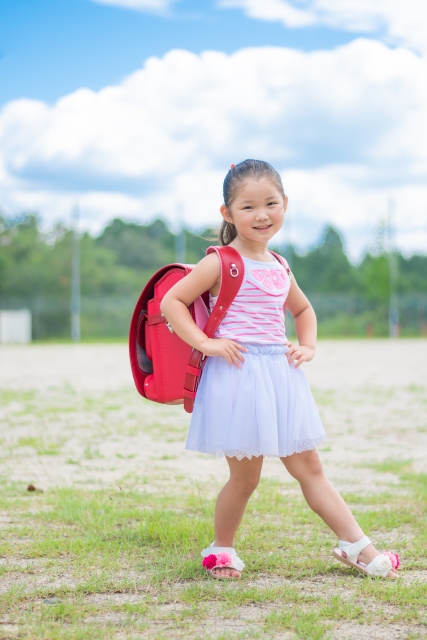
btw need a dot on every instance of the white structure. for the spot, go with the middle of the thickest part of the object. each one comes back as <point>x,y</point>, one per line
<point>15,326</point>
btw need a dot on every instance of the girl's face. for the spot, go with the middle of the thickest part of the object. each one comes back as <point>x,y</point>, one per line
<point>258,210</point>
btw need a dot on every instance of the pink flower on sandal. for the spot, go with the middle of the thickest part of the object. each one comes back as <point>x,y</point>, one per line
<point>394,559</point>
<point>209,562</point>
<point>223,560</point>
<point>219,560</point>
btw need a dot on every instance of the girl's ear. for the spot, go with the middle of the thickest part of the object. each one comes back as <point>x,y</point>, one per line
<point>285,203</point>
<point>225,214</point>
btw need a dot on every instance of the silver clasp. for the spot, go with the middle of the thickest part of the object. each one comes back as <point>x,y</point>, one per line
<point>169,327</point>
<point>234,272</point>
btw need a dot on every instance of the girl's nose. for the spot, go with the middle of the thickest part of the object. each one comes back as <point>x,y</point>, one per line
<point>261,215</point>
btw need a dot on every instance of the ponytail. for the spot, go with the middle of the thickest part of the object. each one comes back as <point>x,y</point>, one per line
<point>227,233</point>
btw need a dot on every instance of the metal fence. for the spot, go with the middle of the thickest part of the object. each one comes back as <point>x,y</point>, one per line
<point>348,315</point>
<point>338,315</point>
<point>101,317</point>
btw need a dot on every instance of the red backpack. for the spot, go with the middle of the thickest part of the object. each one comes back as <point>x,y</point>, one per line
<point>165,368</point>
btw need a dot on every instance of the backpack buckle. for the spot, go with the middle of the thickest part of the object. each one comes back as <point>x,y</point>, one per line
<point>234,272</point>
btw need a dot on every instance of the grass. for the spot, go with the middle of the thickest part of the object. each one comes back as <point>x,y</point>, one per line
<point>144,547</point>
<point>123,559</point>
<point>42,447</point>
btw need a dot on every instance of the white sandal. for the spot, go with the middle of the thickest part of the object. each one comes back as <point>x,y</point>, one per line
<point>221,558</point>
<point>381,565</point>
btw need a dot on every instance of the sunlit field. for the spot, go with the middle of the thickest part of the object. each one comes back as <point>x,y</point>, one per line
<point>107,542</point>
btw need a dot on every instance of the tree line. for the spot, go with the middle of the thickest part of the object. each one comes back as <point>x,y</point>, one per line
<point>35,265</point>
<point>120,259</point>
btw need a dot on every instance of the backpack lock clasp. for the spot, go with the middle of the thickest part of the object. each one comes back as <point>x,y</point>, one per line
<point>234,272</point>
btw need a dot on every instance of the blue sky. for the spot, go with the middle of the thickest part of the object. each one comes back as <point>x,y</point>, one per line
<point>50,47</point>
<point>137,111</point>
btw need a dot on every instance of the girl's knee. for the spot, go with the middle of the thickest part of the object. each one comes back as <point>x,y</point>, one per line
<point>304,465</point>
<point>245,474</point>
<point>246,484</point>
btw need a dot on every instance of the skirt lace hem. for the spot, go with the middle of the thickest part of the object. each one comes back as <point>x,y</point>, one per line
<point>303,445</point>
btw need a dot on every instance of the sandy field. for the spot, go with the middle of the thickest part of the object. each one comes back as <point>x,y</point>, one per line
<point>371,395</point>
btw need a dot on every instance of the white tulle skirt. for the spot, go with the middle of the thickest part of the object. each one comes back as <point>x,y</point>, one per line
<point>263,409</point>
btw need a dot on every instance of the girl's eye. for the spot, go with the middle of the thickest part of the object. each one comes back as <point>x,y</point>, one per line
<point>272,203</point>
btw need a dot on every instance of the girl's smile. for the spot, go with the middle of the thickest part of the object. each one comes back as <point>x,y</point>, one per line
<point>265,227</point>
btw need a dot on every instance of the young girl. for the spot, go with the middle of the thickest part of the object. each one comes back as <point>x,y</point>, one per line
<point>253,400</point>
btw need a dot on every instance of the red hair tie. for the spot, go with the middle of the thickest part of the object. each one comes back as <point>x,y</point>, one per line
<point>232,166</point>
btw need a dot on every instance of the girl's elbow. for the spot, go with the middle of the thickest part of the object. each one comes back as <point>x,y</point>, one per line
<point>309,310</point>
<point>164,305</point>
<point>303,312</point>
<point>168,304</point>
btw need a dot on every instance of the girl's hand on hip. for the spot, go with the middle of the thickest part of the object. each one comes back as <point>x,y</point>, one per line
<point>228,349</point>
<point>299,354</point>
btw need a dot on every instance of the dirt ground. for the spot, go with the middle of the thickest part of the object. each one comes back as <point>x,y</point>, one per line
<point>371,396</point>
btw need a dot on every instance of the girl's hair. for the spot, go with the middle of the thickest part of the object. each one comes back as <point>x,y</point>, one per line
<point>237,174</point>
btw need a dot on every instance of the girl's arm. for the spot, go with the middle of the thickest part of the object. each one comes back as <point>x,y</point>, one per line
<point>305,326</point>
<point>174,307</point>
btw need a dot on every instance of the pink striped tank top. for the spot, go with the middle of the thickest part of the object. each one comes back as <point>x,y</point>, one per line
<point>256,314</point>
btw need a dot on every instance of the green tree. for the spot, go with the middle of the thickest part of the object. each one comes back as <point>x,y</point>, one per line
<point>137,246</point>
<point>413,274</point>
<point>374,275</point>
<point>325,268</point>
<point>24,256</point>
<point>34,264</point>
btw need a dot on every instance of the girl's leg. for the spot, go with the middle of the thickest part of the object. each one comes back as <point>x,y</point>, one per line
<point>325,500</point>
<point>231,503</point>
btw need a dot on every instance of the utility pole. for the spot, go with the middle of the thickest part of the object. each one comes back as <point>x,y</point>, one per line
<point>180,235</point>
<point>393,314</point>
<point>75,277</point>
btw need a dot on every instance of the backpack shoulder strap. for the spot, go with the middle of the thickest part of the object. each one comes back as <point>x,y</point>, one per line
<point>232,274</point>
<point>283,261</point>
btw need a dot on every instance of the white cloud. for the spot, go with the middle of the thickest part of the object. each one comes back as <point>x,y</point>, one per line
<point>272,10</point>
<point>398,21</point>
<point>343,196</point>
<point>151,6</point>
<point>347,127</point>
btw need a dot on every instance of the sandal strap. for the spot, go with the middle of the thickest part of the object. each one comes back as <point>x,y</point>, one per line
<point>211,549</point>
<point>352,549</point>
